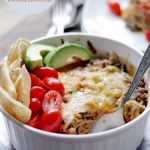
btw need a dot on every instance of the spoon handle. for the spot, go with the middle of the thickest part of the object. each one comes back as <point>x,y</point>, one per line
<point>144,64</point>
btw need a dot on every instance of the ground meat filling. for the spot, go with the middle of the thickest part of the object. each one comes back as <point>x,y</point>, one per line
<point>91,91</point>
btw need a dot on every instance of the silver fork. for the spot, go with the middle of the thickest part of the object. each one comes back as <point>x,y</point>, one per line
<point>63,13</point>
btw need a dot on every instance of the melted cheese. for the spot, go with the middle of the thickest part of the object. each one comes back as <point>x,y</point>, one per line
<point>104,87</point>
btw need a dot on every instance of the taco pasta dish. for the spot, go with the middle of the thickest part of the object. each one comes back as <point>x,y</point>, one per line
<point>65,89</point>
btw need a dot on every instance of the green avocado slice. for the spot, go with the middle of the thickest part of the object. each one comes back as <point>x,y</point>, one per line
<point>63,54</point>
<point>34,55</point>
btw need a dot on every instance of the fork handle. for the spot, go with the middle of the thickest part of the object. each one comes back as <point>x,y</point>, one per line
<point>52,30</point>
<point>60,29</point>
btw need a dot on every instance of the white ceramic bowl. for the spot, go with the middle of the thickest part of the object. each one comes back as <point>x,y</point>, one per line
<point>126,137</point>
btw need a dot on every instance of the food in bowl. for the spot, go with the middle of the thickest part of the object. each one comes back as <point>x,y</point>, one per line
<point>66,88</point>
<point>136,14</point>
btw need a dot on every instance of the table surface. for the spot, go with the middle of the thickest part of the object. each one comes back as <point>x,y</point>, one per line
<point>13,26</point>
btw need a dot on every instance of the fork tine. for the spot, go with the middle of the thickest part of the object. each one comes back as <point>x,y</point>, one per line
<point>58,9</point>
<point>79,2</point>
<point>62,13</point>
<point>62,10</point>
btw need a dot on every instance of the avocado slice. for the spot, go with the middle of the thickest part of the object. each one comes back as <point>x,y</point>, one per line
<point>63,54</point>
<point>34,55</point>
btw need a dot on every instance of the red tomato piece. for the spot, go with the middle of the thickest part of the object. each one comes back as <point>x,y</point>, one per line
<point>114,6</point>
<point>35,81</point>
<point>34,121</point>
<point>54,84</point>
<point>52,100</point>
<point>37,92</point>
<point>44,72</point>
<point>51,121</point>
<point>35,105</point>
<point>147,35</point>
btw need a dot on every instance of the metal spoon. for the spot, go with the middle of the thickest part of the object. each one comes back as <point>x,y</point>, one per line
<point>144,64</point>
<point>63,13</point>
<point>116,119</point>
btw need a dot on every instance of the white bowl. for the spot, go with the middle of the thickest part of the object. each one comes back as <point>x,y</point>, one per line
<point>126,137</point>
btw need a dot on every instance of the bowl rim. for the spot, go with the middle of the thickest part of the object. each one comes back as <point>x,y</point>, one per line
<point>84,137</point>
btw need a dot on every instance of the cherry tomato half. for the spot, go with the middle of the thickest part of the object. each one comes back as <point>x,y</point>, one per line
<point>51,121</point>
<point>35,81</point>
<point>34,121</point>
<point>37,92</point>
<point>44,72</point>
<point>114,6</point>
<point>54,84</point>
<point>35,105</point>
<point>147,35</point>
<point>52,100</point>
